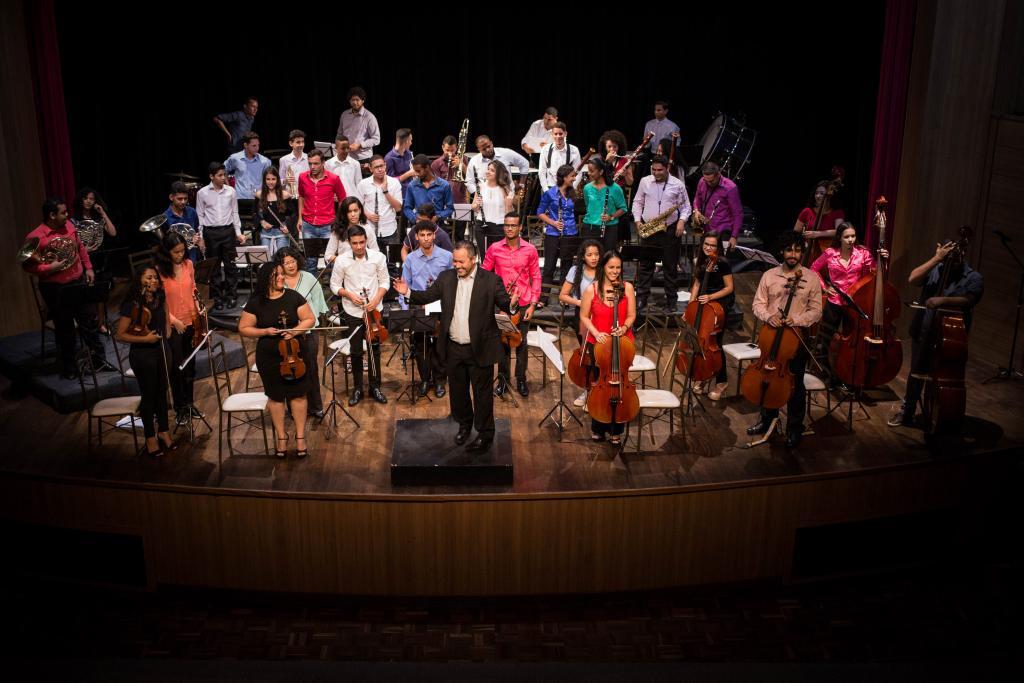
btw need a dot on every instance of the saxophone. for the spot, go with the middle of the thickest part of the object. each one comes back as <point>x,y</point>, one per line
<point>656,224</point>
<point>460,153</point>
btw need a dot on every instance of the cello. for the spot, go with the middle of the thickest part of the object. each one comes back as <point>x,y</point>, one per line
<point>945,394</point>
<point>767,382</point>
<point>613,400</point>
<point>707,319</point>
<point>866,353</point>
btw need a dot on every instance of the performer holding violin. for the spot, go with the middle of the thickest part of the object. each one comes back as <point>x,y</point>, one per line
<point>277,317</point>
<point>606,320</point>
<point>788,301</point>
<point>517,263</point>
<point>143,324</point>
<point>290,258</point>
<point>183,311</point>
<point>951,289</point>
<point>360,278</point>
<point>712,291</point>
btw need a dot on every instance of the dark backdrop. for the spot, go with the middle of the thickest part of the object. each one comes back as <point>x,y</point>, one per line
<point>140,102</point>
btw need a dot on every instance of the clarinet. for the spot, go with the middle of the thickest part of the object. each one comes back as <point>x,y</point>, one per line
<point>376,199</point>
<point>604,226</point>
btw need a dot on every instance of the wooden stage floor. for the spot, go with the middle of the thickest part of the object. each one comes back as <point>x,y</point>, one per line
<point>707,451</point>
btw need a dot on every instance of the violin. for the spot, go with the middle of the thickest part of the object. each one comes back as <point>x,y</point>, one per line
<point>767,382</point>
<point>613,400</point>
<point>866,353</point>
<point>375,330</point>
<point>945,394</point>
<point>513,339</point>
<point>292,366</point>
<point>816,246</point>
<point>141,317</point>
<point>708,320</point>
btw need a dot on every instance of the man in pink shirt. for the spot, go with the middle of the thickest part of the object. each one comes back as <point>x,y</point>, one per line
<point>516,262</point>
<point>65,286</point>
<point>319,192</point>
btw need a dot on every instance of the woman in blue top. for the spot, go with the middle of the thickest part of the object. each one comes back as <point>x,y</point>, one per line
<point>557,212</point>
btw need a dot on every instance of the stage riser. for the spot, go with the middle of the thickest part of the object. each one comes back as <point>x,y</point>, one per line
<point>491,545</point>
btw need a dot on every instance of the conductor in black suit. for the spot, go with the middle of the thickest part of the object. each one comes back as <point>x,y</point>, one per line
<point>469,341</point>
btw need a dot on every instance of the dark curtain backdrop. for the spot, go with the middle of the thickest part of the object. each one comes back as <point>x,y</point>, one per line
<point>140,103</point>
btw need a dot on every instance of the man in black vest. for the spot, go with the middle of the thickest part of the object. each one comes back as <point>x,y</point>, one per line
<point>469,341</point>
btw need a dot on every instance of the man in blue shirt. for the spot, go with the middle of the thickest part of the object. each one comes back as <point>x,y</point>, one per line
<point>235,124</point>
<point>426,188</point>
<point>397,160</point>
<point>180,212</point>
<point>247,167</point>
<point>420,270</point>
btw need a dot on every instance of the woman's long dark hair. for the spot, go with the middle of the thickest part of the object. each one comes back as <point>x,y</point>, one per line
<point>702,258</point>
<point>264,190</point>
<point>599,275</point>
<point>502,177</point>
<point>837,239</point>
<point>581,263</point>
<point>262,285</point>
<point>135,294</point>
<point>79,207</point>
<point>563,172</point>
<point>341,226</point>
<point>164,263</point>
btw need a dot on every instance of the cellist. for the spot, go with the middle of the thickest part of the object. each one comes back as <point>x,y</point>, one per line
<point>720,289</point>
<point>964,288</point>
<point>596,323</point>
<point>772,291</point>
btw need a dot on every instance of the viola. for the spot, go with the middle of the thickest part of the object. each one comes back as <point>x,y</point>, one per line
<point>945,395</point>
<point>866,353</point>
<point>708,320</point>
<point>613,400</point>
<point>767,382</point>
<point>292,366</point>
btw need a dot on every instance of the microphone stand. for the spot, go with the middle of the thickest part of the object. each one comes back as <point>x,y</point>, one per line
<point>1010,372</point>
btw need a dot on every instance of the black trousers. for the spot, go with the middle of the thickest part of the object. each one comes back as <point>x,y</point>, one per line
<point>68,305</point>
<point>504,365</point>
<point>430,366</point>
<point>356,353</point>
<point>182,381</point>
<point>220,244</point>
<point>609,239</point>
<point>797,406</point>
<point>920,364</point>
<point>465,373</point>
<point>490,230</point>
<point>314,400</point>
<point>148,366</point>
<point>669,244</point>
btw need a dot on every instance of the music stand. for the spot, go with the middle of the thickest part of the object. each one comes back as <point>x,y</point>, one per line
<point>561,406</point>
<point>315,248</point>
<point>505,325</point>
<point>330,411</point>
<point>194,415</point>
<point>758,255</point>
<point>851,395</point>
<point>689,335</point>
<point>410,322</point>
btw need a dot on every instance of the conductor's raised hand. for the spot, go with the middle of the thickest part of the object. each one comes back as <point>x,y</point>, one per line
<point>401,286</point>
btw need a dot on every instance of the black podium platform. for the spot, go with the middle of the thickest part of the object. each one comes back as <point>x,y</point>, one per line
<point>424,453</point>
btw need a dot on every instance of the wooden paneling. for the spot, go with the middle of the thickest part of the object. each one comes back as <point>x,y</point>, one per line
<point>21,174</point>
<point>487,545</point>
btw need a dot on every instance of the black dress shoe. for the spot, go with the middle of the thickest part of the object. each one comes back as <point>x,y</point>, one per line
<point>218,305</point>
<point>479,445</point>
<point>355,397</point>
<point>69,375</point>
<point>461,437</point>
<point>423,388</point>
<point>318,414</point>
<point>439,390</point>
<point>759,427</point>
<point>793,437</point>
<point>378,395</point>
<point>522,388</point>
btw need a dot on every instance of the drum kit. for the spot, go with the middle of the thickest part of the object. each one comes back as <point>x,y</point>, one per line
<point>191,184</point>
<point>728,142</point>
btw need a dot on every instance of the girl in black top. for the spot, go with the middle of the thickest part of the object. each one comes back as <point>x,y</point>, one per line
<point>273,199</point>
<point>147,356</point>
<point>720,289</point>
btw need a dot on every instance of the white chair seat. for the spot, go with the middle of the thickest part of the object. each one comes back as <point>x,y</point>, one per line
<point>642,364</point>
<point>129,373</point>
<point>742,351</point>
<point>237,403</point>
<point>813,382</point>
<point>334,319</point>
<point>321,264</point>
<point>684,297</point>
<point>657,398</point>
<point>254,368</point>
<point>532,338</point>
<point>120,405</point>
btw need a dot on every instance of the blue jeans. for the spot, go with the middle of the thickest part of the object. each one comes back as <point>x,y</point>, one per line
<point>316,231</point>
<point>273,239</point>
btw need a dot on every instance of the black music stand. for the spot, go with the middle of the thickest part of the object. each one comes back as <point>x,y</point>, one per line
<point>410,322</point>
<point>330,410</point>
<point>315,248</point>
<point>505,325</point>
<point>689,335</point>
<point>851,395</point>
<point>561,406</point>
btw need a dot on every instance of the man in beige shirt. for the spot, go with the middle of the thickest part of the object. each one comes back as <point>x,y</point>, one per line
<point>804,311</point>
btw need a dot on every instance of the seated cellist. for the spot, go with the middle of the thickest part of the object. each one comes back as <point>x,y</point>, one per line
<point>769,301</point>
<point>963,290</point>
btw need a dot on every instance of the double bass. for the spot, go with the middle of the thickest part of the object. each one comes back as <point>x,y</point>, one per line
<point>816,246</point>
<point>767,382</point>
<point>866,353</point>
<point>613,400</point>
<point>708,320</point>
<point>945,394</point>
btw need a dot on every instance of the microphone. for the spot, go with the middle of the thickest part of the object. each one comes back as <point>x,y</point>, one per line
<point>1001,235</point>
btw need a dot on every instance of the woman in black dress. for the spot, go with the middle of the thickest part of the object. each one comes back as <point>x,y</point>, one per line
<point>147,355</point>
<point>720,289</point>
<point>272,308</point>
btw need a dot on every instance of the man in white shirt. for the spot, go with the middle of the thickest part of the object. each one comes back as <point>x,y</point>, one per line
<point>343,165</point>
<point>556,154</point>
<point>477,169</point>
<point>220,228</point>
<point>381,196</point>
<point>291,165</point>
<point>660,126</point>
<point>360,278</point>
<point>359,126</point>
<point>539,135</point>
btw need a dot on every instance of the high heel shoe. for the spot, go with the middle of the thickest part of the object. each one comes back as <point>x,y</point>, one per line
<point>279,452</point>
<point>301,452</point>
<point>168,446</point>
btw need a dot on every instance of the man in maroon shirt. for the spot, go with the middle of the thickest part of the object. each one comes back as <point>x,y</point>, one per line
<point>65,286</point>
